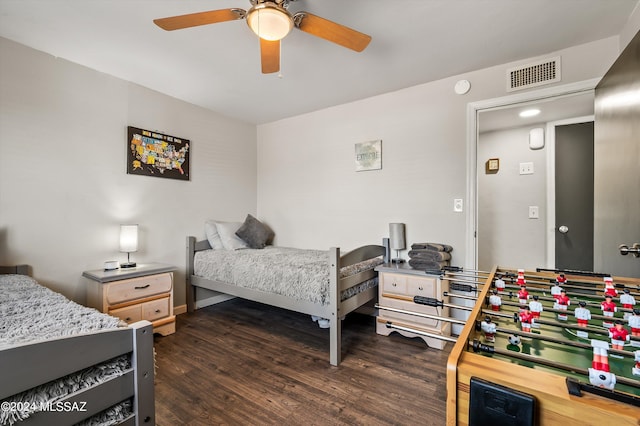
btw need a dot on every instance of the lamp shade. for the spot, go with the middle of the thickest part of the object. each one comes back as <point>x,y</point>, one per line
<point>396,236</point>
<point>269,21</point>
<point>128,238</point>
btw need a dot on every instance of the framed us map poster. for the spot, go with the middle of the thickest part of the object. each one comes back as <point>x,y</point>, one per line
<point>155,154</point>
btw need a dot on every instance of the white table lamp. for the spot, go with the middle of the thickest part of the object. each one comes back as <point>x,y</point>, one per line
<point>128,243</point>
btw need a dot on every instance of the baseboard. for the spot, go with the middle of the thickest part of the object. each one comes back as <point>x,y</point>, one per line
<point>177,310</point>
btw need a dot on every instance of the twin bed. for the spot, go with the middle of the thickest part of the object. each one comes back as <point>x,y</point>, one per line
<point>62,363</point>
<point>323,284</point>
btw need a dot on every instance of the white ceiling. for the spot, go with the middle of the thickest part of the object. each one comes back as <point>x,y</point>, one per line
<point>218,66</point>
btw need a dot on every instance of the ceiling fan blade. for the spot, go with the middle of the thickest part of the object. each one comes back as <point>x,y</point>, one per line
<point>270,56</point>
<point>201,18</point>
<point>331,31</point>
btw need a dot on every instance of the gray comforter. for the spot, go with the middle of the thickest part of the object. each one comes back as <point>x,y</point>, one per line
<point>30,312</point>
<point>295,273</point>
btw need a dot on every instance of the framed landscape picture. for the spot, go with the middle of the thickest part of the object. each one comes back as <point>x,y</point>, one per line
<point>151,153</point>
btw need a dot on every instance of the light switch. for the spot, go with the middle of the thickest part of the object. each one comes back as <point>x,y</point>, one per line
<point>457,205</point>
<point>534,212</point>
<point>526,168</point>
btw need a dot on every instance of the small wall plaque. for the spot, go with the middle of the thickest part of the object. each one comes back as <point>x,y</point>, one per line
<point>369,155</point>
<point>492,165</point>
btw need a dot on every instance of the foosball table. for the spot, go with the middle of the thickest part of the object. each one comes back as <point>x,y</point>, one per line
<point>545,348</point>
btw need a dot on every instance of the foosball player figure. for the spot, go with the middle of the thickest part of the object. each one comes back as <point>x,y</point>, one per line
<point>536,308</point>
<point>627,301</point>
<point>636,368</point>
<point>495,301</point>
<point>500,284</point>
<point>609,288</point>
<point>526,319</point>
<point>523,296</point>
<point>556,290</point>
<point>618,335</point>
<point>599,374</point>
<point>520,280</point>
<point>582,315</point>
<point>608,309</point>
<point>561,279</point>
<point>562,303</point>
<point>634,324</point>
<point>489,329</point>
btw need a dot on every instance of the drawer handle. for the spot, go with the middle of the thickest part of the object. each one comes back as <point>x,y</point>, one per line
<point>420,288</point>
<point>157,311</point>
<point>127,319</point>
<point>394,284</point>
<point>143,287</point>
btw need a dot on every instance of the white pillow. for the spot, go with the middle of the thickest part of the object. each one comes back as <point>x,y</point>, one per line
<point>213,237</point>
<point>227,232</point>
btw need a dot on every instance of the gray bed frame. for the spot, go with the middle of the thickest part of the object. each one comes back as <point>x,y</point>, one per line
<point>27,366</point>
<point>334,311</point>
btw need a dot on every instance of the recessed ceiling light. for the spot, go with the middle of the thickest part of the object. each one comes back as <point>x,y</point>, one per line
<point>529,113</point>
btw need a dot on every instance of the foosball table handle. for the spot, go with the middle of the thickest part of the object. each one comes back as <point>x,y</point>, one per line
<point>575,387</point>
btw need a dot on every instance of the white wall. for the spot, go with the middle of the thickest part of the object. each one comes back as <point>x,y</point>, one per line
<point>506,235</point>
<point>64,190</point>
<point>310,194</point>
<point>63,183</point>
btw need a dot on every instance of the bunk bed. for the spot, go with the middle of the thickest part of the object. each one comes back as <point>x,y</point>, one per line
<point>63,363</point>
<point>335,284</point>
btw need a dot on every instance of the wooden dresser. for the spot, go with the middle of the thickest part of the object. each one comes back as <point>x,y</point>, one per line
<point>398,285</point>
<point>141,293</point>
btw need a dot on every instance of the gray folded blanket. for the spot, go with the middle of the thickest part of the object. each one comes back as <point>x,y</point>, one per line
<point>427,264</point>
<point>426,254</point>
<point>432,246</point>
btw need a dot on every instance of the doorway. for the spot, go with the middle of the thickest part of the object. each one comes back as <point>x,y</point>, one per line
<point>478,115</point>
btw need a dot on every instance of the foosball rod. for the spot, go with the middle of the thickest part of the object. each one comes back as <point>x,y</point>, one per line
<point>459,296</point>
<point>567,286</point>
<point>568,312</point>
<point>538,279</point>
<point>428,301</point>
<point>476,346</point>
<point>554,340</point>
<point>420,314</point>
<point>540,290</point>
<point>389,324</point>
<point>514,317</point>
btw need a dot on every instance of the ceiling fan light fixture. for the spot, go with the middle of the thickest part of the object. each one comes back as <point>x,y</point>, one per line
<point>269,21</point>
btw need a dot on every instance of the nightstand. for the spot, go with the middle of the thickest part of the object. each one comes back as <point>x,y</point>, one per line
<point>397,286</point>
<point>134,294</point>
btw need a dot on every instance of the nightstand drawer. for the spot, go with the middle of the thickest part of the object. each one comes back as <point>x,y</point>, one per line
<point>393,283</point>
<point>411,307</point>
<point>422,287</point>
<point>155,309</point>
<point>129,314</point>
<point>138,288</point>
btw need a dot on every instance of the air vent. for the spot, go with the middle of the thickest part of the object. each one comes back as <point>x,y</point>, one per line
<point>534,74</point>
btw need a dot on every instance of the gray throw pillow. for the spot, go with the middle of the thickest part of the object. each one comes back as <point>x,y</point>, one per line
<point>255,233</point>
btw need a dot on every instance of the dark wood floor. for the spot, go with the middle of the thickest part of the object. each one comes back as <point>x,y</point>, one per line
<point>243,363</point>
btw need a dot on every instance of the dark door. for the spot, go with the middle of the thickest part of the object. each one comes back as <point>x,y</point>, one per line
<point>574,196</point>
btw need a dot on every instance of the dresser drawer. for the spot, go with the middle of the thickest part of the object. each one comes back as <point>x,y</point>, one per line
<point>155,309</point>
<point>393,283</point>
<point>419,286</point>
<point>138,288</point>
<point>129,314</point>
<point>411,307</point>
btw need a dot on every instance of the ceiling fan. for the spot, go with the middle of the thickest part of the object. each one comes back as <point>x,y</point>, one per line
<point>271,21</point>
